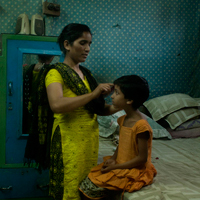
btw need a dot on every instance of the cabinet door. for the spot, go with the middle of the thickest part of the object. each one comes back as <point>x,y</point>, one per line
<point>17,180</point>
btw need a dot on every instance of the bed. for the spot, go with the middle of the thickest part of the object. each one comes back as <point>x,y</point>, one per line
<point>175,151</point>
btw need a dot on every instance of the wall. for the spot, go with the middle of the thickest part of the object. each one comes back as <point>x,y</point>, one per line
<point>157,39</point>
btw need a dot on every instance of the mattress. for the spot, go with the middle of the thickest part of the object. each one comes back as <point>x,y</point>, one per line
<point>178,165</point>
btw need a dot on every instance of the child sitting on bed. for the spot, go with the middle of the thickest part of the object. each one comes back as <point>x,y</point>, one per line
<point>130,168</point>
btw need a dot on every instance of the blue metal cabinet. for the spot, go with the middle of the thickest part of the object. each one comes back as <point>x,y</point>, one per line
<point>17,180</point>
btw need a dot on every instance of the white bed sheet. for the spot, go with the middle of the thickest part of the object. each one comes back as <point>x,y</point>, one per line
<point>178,165</point>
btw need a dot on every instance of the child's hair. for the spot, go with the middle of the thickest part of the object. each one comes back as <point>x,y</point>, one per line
<point>71,32</point>
<point>134,88</point>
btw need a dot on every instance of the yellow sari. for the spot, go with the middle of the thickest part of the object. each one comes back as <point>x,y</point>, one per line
<point>79,143</point>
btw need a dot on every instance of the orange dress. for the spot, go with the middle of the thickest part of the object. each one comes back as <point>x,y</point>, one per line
<point>127,179</point>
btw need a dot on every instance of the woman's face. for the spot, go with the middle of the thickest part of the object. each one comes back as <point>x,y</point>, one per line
<point>80,48</point>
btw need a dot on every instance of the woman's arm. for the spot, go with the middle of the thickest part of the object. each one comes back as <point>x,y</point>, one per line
<point>140,159</point>
<point>109,110</point>
<point>60,104</point>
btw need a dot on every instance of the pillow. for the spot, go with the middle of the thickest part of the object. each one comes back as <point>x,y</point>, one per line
<point>193,123</point>
<point>158,130</point>
<point>108,124</point>
<point>179,117</point>
<point>187,133</point>
<point>160,107</point>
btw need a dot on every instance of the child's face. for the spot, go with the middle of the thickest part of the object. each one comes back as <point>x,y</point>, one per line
<point>118,99</point>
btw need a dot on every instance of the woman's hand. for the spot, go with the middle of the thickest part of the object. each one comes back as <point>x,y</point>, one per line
<point>103,88</point>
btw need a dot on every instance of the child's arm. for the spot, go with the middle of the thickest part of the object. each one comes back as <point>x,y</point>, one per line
<point>138,160</point>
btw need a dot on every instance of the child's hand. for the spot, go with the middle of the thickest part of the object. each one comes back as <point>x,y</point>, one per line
<point>110,162</point>
<point>108,165</point>
<point>106,169</point>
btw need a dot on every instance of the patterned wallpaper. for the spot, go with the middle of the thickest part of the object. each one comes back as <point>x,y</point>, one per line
<point>157,39</point>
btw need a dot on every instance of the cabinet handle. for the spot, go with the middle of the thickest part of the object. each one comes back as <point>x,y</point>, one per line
<point>43,187</point>
<point>10,85</point>
<point>6,188</point>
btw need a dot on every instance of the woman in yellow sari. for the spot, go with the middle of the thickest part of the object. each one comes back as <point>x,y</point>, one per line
<point>75,99</point>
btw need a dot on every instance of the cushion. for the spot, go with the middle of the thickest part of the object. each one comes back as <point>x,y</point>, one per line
<point>108,124</point>
<point>160,107</point>
<point>179,117</point>
<point>158,130</point>
<point>187,133</point>
<point>193,123</point>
